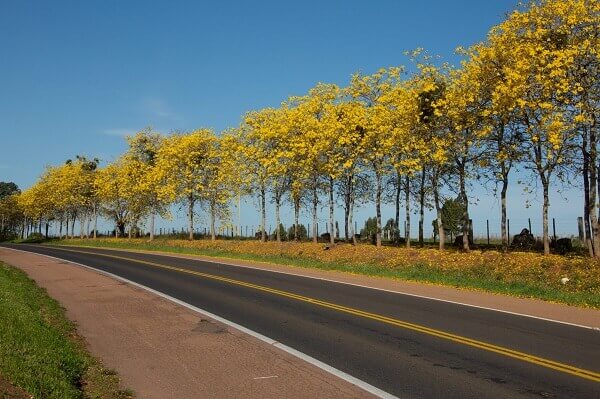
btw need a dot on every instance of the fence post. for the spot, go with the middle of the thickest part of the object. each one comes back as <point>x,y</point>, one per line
<point>487,223</point>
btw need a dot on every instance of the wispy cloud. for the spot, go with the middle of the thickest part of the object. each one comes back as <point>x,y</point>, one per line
<point>118,132</point>
<point>159,108</point>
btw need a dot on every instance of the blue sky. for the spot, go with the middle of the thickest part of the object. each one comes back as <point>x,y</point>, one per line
<point>76,76</point>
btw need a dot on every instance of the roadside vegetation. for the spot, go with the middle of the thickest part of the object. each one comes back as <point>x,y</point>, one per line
<point>41,355</point>
<point>520,109</point>
<point>522,274</point>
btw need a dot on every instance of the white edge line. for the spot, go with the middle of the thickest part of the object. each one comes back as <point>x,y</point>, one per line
<point>317,363</point>
<point>347,283</point>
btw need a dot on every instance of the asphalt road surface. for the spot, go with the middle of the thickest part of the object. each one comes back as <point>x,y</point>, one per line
<point>407,346</point>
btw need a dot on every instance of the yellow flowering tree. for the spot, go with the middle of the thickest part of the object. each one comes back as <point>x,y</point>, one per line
<point>182,165</point>
<point>264,158</point>
<point>146,181</point>
<point>377,139</point>
<point>538,76</point>
<point>110,184</point>
<point>345,127</point>
<point>315,154</point>
<point>220,179</point>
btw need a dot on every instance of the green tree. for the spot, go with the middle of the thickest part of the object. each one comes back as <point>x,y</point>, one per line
<point>299,234</point>
<point>282,234</point>
<point>8,188</point>
<point>452,216</point>
<point>369,230</point>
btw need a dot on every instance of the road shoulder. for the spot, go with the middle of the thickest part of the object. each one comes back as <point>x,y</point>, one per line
<point>161,349</point>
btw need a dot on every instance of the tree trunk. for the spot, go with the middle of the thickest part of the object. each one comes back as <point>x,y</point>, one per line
<point>348,195</point>
<point>465,203</point>
<point>60,229</point>
<point>47,226</point>
<point>586,194</point>
<point>397,204</point>
<point>504,171</point>
<point>407,208</point>
<point>73,227</point>
<point>212,222</point>
<point>422,209</point>
<point>438,208</point>
<point>346,219</point>
<point>191,201</point>
<point>331,212</point>
<point>277,217</point>
<point>120,230</point>
<point>152,226</point>
<point>545,217</point>
<point>503,231</point>
<point>263,213</point>
<point>296,219</point>
<point>315,204</point>
<point>351,221</point>
<point>378,208</point>
<point>82,226</point>
<point>95,221</point>
<point>593,197</point>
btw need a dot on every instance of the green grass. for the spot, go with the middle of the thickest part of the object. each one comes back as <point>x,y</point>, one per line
<point>40,350</point>
<point>478,279</point>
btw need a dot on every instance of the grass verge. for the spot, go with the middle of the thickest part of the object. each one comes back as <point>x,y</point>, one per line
<point>40,351</point>
<point>517,274</point>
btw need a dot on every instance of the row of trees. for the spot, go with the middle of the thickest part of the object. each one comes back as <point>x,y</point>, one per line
<point>527,97</point>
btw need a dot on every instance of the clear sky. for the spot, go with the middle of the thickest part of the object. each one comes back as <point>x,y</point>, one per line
<point>76,76</point>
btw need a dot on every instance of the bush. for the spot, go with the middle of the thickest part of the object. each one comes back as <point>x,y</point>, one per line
<point>34,238</point>
<point>562,245</point>
<point>8,236</point>
<point>524,240</point>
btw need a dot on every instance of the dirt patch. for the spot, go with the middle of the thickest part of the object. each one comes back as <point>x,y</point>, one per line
<point>9,391</point>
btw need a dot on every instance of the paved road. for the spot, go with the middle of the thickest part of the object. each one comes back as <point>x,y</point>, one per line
<point>404,345</point>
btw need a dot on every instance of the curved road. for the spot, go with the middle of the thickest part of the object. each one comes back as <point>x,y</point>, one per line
<point>407,346</point>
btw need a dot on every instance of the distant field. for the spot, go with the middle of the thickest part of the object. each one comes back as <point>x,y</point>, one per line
<point>520,274</point>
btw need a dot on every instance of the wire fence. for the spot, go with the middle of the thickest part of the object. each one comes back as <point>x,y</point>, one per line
<point>483,231</point>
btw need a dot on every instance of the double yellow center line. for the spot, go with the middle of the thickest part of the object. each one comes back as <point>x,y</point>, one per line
<point>565,368</point>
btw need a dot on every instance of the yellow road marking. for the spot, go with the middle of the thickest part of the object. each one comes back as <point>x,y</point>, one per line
<point>565,368</point>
